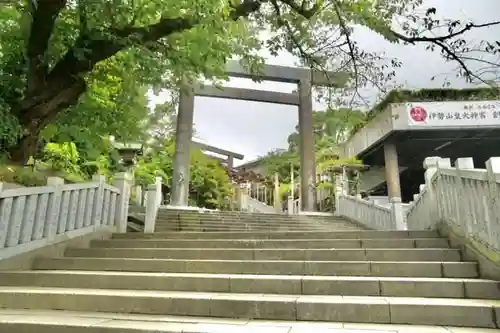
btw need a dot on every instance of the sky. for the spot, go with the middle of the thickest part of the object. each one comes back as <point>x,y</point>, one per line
<point>253,128</point>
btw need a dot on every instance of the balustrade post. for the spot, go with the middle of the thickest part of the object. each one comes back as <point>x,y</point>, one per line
<point>441,163</point>
<point>276,195</point>
<point>464,211</point>
<point>151,208</point>
<point>159,194</point>
<point>398,215</point>
<point>139,196</point>
<point>431,168</point>
<point>493,167</point>
<point>245,193</point>
<point>54,207</point>
<point>290,207</point>
<point>339,186</point>
<point>123,182</point>
<point>98,200</point>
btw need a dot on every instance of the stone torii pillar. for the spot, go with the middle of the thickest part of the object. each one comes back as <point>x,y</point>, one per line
<point>306,147</point>
<point>183,137</point>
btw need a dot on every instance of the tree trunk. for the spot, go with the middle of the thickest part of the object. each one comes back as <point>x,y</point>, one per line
<point>25,148</point>
<point>41,110</point>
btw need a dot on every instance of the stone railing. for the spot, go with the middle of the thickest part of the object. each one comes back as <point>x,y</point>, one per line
<point>33,217</point>
<point>153,200</point>
<point>464,198</point>
<point>293,206</point>
<point>256,206</point>
<point>389,216</point>
<point>369,214</point>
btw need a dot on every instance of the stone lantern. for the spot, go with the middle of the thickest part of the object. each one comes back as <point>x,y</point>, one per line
<point>128,152</point>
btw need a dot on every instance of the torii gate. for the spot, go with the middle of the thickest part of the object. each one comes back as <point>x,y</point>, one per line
<point>304,78</point>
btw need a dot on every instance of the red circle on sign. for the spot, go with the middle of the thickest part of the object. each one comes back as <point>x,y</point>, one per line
<point>418,114</point>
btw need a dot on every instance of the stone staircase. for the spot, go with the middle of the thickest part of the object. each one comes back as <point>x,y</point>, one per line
<point>181,220</point>
<point>241,273</point>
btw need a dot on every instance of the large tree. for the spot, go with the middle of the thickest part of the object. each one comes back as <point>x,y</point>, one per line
<point>49,49</point>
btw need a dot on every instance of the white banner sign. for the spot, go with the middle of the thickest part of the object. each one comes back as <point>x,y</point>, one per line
<point>443,114</point>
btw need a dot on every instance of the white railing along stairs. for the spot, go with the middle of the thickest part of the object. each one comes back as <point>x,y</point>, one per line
<point>462,198</point>
<point>34,217</point>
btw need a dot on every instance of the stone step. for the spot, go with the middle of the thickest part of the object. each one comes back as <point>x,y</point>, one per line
<point>242,228</point>
<point>381,310</point>
<point>249,221</point>
<point>274,243</point>
<point>249,229</point>
<point>271,254</point>
<point>266,267</point>
<point>256,227</point>
<point>244,215</point>
<point>258,284</point>
<point>290,222</point>
<point>54,321</point>
<point>362,234</point>
<point>259,227</point>
<point>251,224</point>
<point>249,216</point>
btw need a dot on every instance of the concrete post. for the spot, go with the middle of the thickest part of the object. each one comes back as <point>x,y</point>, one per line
<point>394,186</point>
<point>493,226</point>
<point>463,164</point>
<point>276,197</point>
<point>151,209</point>
<point>244,194</point>
<point>183,137</point>
<point>345,181</point>
<point>123,182</point>
<point>338,192</point>
<point>230,162</point>
<point>237,197</point>
<point>54,206</point>
<point>98,200</point>
<point>159,194</point>
<point>392,170</point>
<point>289,205</point>
<point>307,158</point>
<point>138,195</point>
<point>398,214</point>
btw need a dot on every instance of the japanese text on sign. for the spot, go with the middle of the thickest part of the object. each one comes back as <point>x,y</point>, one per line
<point>454,113</point>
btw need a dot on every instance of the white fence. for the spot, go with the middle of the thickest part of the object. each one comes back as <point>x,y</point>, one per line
<point>255,206</point>
<point>293,206</point>
<point>371,215</point>
<point>465,198</point>
<point>34,217</point>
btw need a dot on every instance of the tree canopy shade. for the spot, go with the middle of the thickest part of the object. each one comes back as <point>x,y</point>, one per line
<point>52,52</point>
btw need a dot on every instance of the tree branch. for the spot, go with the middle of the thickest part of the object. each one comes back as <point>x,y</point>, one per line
<point>44,15</point>
<point>88,51</point>
<point>467,27</point>
<point>350,44</point>
<point>92,47</point>
<point>301,9</point>
<point>446,49</point>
